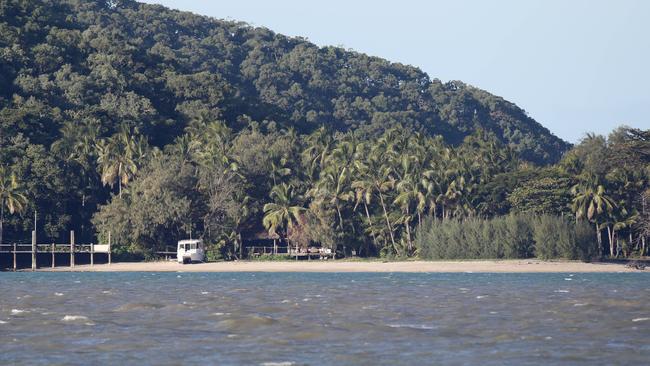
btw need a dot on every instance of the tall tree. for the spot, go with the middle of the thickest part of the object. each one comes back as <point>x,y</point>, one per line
<point>118,158</point>
<point>12,196</point>
<point>285,210</point>
<point>591,202</point>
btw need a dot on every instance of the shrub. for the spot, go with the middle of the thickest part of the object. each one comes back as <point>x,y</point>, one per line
<point>586,245</point>
<point>505,237</point>
<point>546,237</point>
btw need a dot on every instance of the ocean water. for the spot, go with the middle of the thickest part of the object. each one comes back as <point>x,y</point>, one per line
<point>324,319</point>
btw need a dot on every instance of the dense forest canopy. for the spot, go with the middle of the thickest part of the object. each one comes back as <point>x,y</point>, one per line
<point>105,64</point>
<point>151,123</point>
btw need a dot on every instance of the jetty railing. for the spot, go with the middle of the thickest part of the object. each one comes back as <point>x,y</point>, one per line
<point>72,248</point>
<point>309,253</point>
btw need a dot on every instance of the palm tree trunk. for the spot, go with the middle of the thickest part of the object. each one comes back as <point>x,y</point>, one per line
<point>610,236</point>
<point>338,211</point>
<point>2,218</point>
<point>407,226</point>
<point>631,241</point>
<point>390,228</point>
<point>372,232</point>
<point>598,240</point>
<point>408,237</point>
<point>119,179</point>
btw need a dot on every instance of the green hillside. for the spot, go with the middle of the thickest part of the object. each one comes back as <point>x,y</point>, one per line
<point>156,70</point>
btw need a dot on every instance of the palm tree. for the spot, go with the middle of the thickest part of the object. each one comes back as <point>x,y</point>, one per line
<point>591,202</point>
<point>118,158</point>
<point>319,144</point>
<point>285,210</point>
<point>409,193</point>
<point>333,188</point>
<point>617,221</point>
<point>11,196</point>
<point>279,170</point>
<point>383,182</point>
<point>363,189</point>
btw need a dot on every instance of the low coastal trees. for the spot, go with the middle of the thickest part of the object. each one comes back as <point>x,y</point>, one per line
<point>169,199</point>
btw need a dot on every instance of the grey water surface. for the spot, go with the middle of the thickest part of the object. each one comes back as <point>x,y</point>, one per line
<point>324,319</point>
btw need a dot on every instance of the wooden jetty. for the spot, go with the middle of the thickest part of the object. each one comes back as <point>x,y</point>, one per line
<point>56,248</point>
<point>310,253</point>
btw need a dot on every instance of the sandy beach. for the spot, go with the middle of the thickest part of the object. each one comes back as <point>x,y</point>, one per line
<point>505,266</point>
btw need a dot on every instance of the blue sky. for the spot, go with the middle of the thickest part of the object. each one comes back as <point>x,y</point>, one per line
<point>575,66</point>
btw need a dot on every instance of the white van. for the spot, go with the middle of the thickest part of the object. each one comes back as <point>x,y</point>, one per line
<point>189,251</point>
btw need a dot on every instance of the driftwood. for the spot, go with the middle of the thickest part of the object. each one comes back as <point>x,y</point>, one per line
<point>636,265</point>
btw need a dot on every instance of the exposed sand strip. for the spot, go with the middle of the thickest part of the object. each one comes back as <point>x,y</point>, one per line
<point>515,266</point>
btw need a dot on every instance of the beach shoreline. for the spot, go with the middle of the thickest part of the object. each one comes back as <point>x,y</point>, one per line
<point>479,266</point>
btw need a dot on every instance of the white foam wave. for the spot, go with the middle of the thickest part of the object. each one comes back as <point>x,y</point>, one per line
<point>640,319</point>
<point>17,311</point>
<point>412,326</point>
<point>283,363</point>
<point>72,318</point>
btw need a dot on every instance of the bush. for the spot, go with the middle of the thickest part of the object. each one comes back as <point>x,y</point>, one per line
<point>546,234</point>
<point>586,245</point>
<point>517,237</point>
<point>505,237</point>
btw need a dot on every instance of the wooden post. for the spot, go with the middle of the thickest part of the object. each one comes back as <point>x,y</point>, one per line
<point>53,250</point>
<point>109,247</point>
<point>71,248</point>
<point>92,254</point>
<point>15,248</point>
<point>33,250</point>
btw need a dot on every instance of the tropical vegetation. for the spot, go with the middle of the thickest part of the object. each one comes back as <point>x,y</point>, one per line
<point>155,124</point>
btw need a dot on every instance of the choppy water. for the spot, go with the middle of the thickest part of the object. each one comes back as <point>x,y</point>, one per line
<point>324,319</point>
